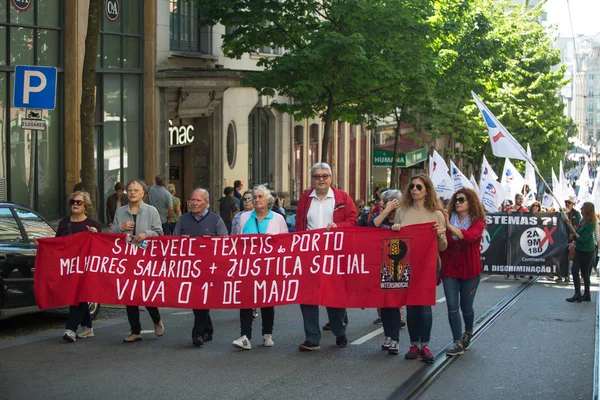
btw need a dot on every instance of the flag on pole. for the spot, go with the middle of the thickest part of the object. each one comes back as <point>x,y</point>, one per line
<point>492,195</point>
<point>595,198</point>
<point>512,180</point>
<point>585,184</point>
<point>459,179</point>
<point>503,143</point>
<point>557,190</point>
<point>530,180</point>
<point>487,174</point>
<point>445,187</point>
<point>438,168</point>
<point>566,188</point>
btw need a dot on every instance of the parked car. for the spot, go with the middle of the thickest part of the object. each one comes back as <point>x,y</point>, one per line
<point>19,226</point>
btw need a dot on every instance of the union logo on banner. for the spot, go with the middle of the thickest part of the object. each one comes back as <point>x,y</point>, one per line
<point>395,263</point>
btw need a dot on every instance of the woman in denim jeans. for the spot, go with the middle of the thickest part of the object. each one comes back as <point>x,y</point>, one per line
<point>461,263</point>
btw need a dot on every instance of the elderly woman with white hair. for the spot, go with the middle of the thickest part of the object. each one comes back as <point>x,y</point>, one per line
<point>260,221</point>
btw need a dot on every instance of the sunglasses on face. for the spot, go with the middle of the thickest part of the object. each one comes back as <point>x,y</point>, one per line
<point>78,202</point>
<point>320,177</point>
<point>418,186</point>
<point>461,200</point>
<point>247,198</point>
<point>568,202</point>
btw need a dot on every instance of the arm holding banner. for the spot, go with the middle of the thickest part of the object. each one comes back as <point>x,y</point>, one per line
<point>470,235</point>
<point>441,227</point>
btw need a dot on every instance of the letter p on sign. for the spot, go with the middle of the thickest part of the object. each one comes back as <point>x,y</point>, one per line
<point>35,87</point>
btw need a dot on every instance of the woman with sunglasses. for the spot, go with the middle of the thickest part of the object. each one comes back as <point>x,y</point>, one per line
<point>80,205</point>
<point>461,263</point>
<point>535,207</point>
<point>419,205</point>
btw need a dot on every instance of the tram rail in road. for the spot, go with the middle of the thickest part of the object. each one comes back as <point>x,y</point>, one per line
<point>418,382</point>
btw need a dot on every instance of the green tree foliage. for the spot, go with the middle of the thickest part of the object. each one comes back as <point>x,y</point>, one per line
<point>336,50</point>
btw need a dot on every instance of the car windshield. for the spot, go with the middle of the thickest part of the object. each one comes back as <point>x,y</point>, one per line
<point>34,225</point>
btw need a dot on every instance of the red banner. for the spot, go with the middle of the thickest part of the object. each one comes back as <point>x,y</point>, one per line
<point>357,267</point>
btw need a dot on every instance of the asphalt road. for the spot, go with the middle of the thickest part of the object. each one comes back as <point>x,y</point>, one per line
<point>43,366</point>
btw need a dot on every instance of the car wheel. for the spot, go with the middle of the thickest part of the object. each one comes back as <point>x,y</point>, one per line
<point>94,310</point>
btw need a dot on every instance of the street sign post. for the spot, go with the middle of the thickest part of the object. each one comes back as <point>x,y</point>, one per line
<point>35,90</point>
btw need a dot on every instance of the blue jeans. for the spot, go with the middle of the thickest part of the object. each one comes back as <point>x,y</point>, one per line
<point>390,319</point>
<point>79,315</point>
<point>419,321</point>
<point>312,329</point>
<point>462,290</point>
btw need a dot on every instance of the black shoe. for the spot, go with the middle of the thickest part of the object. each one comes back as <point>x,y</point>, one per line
<point>575,298</point>
<point>207,337</point>
<point>197,340</point>
<point>341,342</point>
<point>402,324</point>
<point>466,340</point>
<point>254,313</point>
<point>327,327</point>
<point>586,297</point>
<point>309,346</point>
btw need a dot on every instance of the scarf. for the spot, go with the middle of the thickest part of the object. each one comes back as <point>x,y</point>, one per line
<point>457,223</point>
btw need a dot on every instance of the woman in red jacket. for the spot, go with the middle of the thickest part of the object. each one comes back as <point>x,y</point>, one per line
<point>461,263</point>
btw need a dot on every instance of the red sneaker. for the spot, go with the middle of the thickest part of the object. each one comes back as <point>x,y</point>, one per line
<point>413,353</point>
<point>426,354</point>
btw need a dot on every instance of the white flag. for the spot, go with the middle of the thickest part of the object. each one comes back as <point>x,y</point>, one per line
<point>548,201</point>
<point>438,169</point>
<point>487,172</point>
<point>595,198</point>
<point>565,186</point>
<point>474,184</point>
<point>503,143</point>
<point>459,179</point>
<point>557,190</point>
<point>445,187</point>
<point>512,180</point>
<point>492,195</point>
<point>585,185</point>
<point>530,175</point>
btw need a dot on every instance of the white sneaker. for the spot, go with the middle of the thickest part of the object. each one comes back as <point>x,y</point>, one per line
<point>387,342</point>
<point>394,348</point>
<point>85,332</point>
<point>70,336</point>
<point>242,343</point>
<point>268,340</point>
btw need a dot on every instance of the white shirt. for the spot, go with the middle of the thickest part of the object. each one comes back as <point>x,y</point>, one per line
<point>320,212</point>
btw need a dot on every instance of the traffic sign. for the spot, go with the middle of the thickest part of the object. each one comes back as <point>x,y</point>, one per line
<point>35,87</point>
<point>34,124</point>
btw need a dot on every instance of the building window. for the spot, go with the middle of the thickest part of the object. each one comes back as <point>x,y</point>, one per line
<point>591,105</point>
<point>258,147</point>
<point>186,33</point>
<point>31,161</point>
<point>119,101</point>
<point>231,143</point>
<point>590,120</point>
<point>591,91</point>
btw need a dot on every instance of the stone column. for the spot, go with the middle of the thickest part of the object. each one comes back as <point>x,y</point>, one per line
<point>151,119</point>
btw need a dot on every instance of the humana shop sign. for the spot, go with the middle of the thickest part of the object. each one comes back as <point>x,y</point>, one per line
<point>384,158</point>
<point>180,135</point>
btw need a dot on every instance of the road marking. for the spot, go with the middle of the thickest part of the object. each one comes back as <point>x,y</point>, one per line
<point>443,299</point>
<point>148,331</point>
<point>182,313</point>
<point>368,336</point>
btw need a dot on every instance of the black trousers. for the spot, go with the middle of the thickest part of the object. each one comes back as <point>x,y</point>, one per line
<point>133,315</point>
<point>268,320</point>
<point>581,264</point>
<point>202,323</point>
<point>166,229</point>
<point>79,315</point>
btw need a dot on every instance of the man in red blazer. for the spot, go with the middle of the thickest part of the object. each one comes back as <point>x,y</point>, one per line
<point>324,207</point>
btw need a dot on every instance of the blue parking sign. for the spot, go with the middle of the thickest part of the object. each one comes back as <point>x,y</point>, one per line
<point>35,87</point>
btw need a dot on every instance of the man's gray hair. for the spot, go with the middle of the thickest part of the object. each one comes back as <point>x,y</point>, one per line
<point>138,181</point>
<point>390,195</point>
<point>206,195</point>
<point>320,165</point>
<point>266,192</point>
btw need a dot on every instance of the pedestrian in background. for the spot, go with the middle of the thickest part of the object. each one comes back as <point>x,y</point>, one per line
<point>261,221</point>
<point>80,205</point>
<point>160,198</point>
<point>227,207</point>
<point>140,220</point>
<point>176,207</point>
<point>200,221</point>
<point>574,218</point>
<point>114,201</point>
<point>461,263</point>
<point>419,205</point>
<point>248,205</point>
<point>391,318</point>
<point>584,246</point>
<point>238,186</point>
<point>320,207</point>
